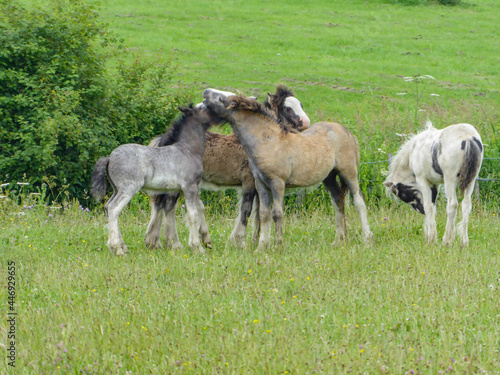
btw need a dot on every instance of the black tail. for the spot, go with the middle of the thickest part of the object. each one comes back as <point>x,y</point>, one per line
<point>98,190</point>
<point>472,162</point>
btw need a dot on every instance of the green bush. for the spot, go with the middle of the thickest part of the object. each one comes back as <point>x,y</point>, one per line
<point>61,107</point>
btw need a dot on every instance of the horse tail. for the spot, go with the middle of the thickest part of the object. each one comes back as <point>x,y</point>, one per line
<point>98,190</point>
<point>155,142</point>
<point>472,162</point>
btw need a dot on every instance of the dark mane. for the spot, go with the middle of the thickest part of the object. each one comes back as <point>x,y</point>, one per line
<point>276,102</point>
<point>246,104</point>
<point>172,134</point>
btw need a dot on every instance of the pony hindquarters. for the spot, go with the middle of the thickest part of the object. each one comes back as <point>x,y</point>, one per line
<point>472,157</point>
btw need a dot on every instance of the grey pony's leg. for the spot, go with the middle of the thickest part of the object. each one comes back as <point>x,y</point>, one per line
<point>113,209</point>
<point>191,196</point>
<point>204,231</point>
<point>337,195</point>
<point>248,192</point>
<point>278,192</point>
<point>265,215</point>
<point>156,203</point>
<point>170,236</point>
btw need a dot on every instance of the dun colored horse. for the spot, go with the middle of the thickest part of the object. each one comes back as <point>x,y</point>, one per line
<point>225,165</point>
<point>176,167</point>
<point>326,152</point>
<point>451,156</point>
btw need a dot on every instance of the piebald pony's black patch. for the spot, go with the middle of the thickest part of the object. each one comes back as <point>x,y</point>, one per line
<point>436,151</point>
<point>434,192</point>
<point>409,194</point>
<point>478,142</point>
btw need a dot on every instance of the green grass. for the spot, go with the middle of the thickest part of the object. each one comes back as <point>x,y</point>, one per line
<point>306,307</point>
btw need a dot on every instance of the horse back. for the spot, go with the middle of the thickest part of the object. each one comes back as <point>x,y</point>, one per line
<point>225,162</point>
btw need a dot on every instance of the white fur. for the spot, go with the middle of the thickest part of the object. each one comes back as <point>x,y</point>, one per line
<point>294,103</point>
<point>413,165</point>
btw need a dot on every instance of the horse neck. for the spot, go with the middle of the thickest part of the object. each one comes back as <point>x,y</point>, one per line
<point>249,128</point>
<point>400,165</point>
<point>193,136</point>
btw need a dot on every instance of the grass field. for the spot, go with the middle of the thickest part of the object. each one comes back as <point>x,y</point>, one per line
<point>397,307</point>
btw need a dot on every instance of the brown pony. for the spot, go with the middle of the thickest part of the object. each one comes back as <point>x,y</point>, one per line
<point>280,159</point>
<point>225,165</point>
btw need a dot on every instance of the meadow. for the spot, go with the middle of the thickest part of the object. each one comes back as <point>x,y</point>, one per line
<point>399,306</point>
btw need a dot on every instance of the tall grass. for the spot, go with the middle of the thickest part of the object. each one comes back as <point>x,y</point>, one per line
<point>396,307</point>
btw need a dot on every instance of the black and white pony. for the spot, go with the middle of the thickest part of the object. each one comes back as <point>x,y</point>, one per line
<point>175,167</point>
<point>451,156</point>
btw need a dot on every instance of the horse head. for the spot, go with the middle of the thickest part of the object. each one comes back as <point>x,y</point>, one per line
<point>289,107</point>
<point>201,114</point>
<point>408,192</point>
<point>218,102</point>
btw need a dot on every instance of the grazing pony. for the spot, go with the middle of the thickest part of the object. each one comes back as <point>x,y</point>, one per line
<point>280,158</point>
<point>451,156</point>
<point>225,165</point>
<point>176,167</point>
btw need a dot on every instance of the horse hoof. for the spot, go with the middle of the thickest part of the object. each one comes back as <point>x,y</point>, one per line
<point>154,245</point>
<point>174,245</point>
<point>208,245</point>
<point>122,251</point>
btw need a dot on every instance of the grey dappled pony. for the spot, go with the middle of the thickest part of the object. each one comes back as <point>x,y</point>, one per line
<point>176,167</point>
<point>451,156</point>
<point>225,165</point>
<point>326,152</point>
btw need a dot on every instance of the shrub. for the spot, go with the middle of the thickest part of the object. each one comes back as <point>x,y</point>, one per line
<point>61,107</point>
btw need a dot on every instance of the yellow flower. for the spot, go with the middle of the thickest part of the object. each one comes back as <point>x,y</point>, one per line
<point>93,290</point>
<point>255,321</point>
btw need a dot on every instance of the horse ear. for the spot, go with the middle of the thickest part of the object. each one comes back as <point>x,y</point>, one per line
<point>185,110</point>
<point>388,184</point>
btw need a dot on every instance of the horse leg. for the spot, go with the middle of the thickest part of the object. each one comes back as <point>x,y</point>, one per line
<point>113,209</point>
<point>430,230</point>
<point>451,211</point>
<point>191,196</point>
<point>248,193</point>
<point>204,231</point>
<point>466,209</point>
<point>170,236</point>
<point>278,192</point>
<point>337,196</point>
<point>256,222</point>
<point>156,203</point>
<point>265,215</point>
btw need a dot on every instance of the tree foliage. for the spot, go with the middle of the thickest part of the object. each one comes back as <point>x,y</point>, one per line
<point>61,107</point>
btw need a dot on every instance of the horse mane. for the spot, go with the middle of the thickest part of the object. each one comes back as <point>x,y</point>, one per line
<point>403,155</point>
<point>276,101</point>
<point>172,134</point>
<point>243,103</point>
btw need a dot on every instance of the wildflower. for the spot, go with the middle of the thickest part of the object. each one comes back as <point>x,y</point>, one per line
<point>255,321</point>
